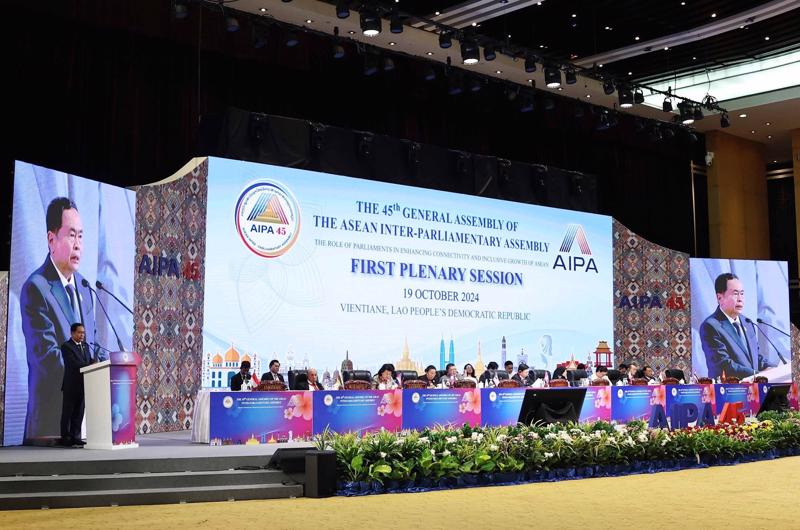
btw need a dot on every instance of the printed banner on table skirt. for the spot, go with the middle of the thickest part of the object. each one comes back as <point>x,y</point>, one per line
<point>500,406</point>
<point>431,407</point>
<point>597,404</point>
<point>792,396</point>
<point>260,417</point>
<point>630,403</point>
<point>699,395</point>
<point>744,393</point>
<point>358,411</point>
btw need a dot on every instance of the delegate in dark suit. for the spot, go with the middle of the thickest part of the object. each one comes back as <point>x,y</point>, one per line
<point>269,376</point>
<point>727,351</point>
<point>46,319</point>
<point>76,355</point>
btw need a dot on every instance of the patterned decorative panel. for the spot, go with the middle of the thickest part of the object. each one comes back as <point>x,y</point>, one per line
<point>168,312</point>
<point>795,354</point>
<point>3,328</point>
<point>659,332</point>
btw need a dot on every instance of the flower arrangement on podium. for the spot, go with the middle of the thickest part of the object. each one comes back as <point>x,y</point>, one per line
<point>469,456</point>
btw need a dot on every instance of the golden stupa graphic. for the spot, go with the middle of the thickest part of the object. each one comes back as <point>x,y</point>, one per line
<point>268,209</point>
<point>479,366</point>
<point>406,363</point>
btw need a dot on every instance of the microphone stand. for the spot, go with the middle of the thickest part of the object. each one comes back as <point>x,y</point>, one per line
<point>768,339</point>
<point>100,286</point>
<point>96,297</point>
<point>779,330</point>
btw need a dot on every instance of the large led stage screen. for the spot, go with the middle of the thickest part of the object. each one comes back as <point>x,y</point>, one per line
<point>327,271</point>
<point>65,229</point>
<point>740,319</point>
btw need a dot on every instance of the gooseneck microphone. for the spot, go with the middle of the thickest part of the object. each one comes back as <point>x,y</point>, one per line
<point>766,337</point>
<point>779,330</point>
<point>111,324</point>
<point>101,287</point>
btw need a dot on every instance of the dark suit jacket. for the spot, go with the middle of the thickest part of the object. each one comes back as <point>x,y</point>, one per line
<point>524,382</point>
<point>725,351</point>
<point>74,360</point>
<point>237,381</point>
<point>267,376</point>
<point>303,385</point>
<point>46,319</point>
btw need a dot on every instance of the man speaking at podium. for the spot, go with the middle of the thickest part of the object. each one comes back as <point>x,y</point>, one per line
<point>52,299</point>
<point>76,354</point>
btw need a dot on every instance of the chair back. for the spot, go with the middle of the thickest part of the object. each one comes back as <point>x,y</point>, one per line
<point>405,374</point>
<point>639,381</point>
<point>508,383</point>
<point>669,381</point>
<point>357,384</point>
<point>577,375</point>
<point>732,380</point>
<point>271,385</point>
<point>539,374</point>
<point>464,383</point>
<point>761,379</point>
<point>600,382</point>
<point>502,375</point>
<point>299,380</point>
<point>414,383</point>
<point>292,376</point>
<point>676,373</point>
<point>558,383</point>
<point>614,376</point>
<point>705,381</point>
<point>361,375</point>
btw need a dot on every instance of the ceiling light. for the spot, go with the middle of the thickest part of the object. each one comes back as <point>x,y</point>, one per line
<point>742,115</point>
<point>724,122</point>
<point>666,48</point>
<point>530,64</point>
<point>342,9</point>
<point>667,105</point>
<point>263,9</point>
<point>498,71</point>
<point>437,14</point>
<point>607,28</point>
<point>569,76</point>
<point>752,132</point>
<point>767,123</point>
<point>766,38</point>
<point>309,21</point>
<point>713,15</point>
<point>429,53</point>
<point>769,137</point>
<point>370,23</point>
<point>636,37</point>
<point>445,39</point>
<point>392,43</point>
<point>552,77</point>
<point>686,112</point>
<point>351,32</point>
<point>574,15</point>
<point>588,96</point>
<point>489,53</point>
<point>630,73</point>
<point>625,98</point>
<point>395,24</point>
<point>470,53</point>
<point>608,87</point>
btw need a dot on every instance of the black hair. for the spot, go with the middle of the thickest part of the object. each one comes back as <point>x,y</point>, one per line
<point>721,283</point>
<point>447,368</point>
<point>601,369</point>
<point>492,366</point>
<point>75,326</point>
<point>508,363</point>
<point>430,367</point>
<point>385,367</point>
<point>273,361</point>
<point>522,367</point>
<point>465,369</point>
<point>622,366</point>
<point>245,364</point>
<point>55,210</point>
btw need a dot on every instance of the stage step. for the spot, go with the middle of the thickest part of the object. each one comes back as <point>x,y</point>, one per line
<point>128,497</point>
<point>131,481</point>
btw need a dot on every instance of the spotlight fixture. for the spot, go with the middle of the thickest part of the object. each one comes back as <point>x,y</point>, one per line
<point>342,9</point>
<point>180,9</point>
<point>625,97</point>
<point>724,121</point>
<point>569,76</point>
<point>530,64</point>
<point>698,113</point>
<point>552,77</point>
<point>338,51</point>
<point>470,52</point>
<point>608,87</point>
<point>370,64</point>
<point>231,24</point>
<point>395,24</point>
<point>489,53</point>
<point>638,96</point>
<point>445,39</point>
<point>686,112</point>
<point>370,23</point>
<point>667,106</point>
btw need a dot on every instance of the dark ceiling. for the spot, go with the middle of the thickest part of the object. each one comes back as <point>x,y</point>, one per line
<point>551,29</point>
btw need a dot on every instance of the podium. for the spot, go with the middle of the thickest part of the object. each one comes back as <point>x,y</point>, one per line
<point>110,391</point>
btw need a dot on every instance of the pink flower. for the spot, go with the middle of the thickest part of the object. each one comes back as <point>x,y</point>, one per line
<point>472,401</point>
<point>381,410</point>
<point>303,405</point>
<point>603,398</point>
<point>288,413</point>
<point>462,408</point>
<point>658,396</point>
<point>708,394</point>
<point>393,403</point>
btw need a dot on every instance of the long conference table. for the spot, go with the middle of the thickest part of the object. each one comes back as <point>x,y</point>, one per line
<point>233,418</point>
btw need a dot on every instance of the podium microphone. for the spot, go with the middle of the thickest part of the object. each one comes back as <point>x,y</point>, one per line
<point>111,324</point>
<point>766,337</point>
<point>779,330</point>
<point>98,345</point>
<point>100,286</point>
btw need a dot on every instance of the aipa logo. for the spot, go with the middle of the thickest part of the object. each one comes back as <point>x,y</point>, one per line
<point>569,262</point>
<point>268,218</point>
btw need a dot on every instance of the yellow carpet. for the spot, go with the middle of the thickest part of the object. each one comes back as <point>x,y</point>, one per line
<point>756,495</point>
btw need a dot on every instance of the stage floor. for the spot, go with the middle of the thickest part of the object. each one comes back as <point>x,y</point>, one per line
<point>173,445</point>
